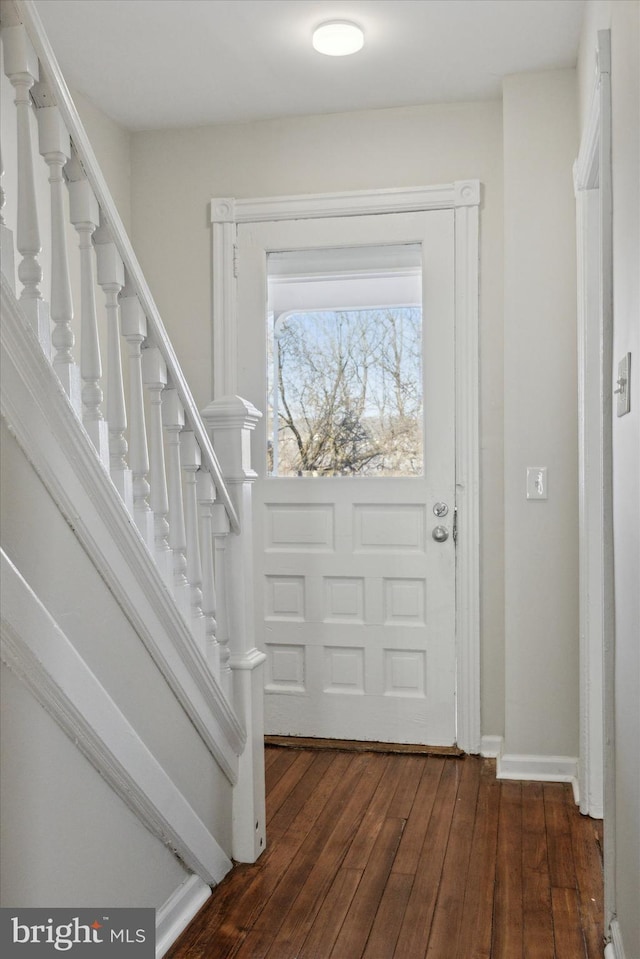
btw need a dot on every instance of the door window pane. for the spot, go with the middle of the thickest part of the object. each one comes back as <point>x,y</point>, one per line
<point>345,363</point>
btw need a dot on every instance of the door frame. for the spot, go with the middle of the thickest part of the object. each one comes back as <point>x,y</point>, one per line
<point>463,197</point>
<point>594,209</point>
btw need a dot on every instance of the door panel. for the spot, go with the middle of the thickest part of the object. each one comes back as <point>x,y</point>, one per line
<point>354,597</point>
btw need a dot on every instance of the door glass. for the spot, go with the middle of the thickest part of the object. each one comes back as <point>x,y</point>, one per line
<point>344,361</point>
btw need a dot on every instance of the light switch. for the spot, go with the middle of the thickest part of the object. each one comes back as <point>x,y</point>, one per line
<point>623,385</point>
<point>536,482</point>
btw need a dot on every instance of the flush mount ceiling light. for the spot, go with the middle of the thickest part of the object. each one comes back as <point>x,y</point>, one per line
<point>338,38</point>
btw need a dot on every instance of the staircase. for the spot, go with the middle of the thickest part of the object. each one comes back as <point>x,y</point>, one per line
<point>126,581</point>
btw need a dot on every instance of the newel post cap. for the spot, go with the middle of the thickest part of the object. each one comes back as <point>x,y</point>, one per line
<point>231,420</point>
<point>231,412</point>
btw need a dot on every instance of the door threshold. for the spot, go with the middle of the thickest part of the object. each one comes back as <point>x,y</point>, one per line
<point>361,746</point>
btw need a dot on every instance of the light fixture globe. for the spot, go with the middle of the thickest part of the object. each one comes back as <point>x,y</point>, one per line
<point>338,38</point>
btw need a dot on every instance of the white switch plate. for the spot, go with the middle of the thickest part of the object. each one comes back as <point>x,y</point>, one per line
<point>623,385</point>
<point>536,482</point>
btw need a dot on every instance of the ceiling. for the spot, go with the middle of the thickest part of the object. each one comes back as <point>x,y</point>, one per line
<point>152,64</point>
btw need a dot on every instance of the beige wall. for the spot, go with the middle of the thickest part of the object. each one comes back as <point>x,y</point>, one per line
<point>540,414</point>
<point>622,17</point>
<point>176,173</point>
<point>112,147</point>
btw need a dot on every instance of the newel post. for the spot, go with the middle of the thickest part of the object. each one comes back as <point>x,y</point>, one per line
<point>230,421</point>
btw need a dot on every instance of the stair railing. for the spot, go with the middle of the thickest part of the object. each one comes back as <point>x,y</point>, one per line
<point>145,428</point>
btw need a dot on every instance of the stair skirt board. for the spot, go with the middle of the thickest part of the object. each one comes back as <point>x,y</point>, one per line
<point>361,746</point>
<point>180,908</point>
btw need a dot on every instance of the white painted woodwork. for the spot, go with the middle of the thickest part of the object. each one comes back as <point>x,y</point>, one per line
<point>355,601</point>
<point>71,472</point>
<point>220,535</point>
<point>111,279</point>
<point>41,45</point>
<point>173,422</point>
<point>55,147</point>
<point>594,204</point>
<point>555,769</point>
<point>173,917</point>
<point>134,330</point>
<point>464,198</point>
<point>190,460</point>
<point>154,372</point>
<point>37,650</point>
<point>21,67</point>
<point>85,216</point>
<point>7,261</point>
<point>206,501</point>
<point>467,429</point>
<point>37,414</point>
<point>231,421</point>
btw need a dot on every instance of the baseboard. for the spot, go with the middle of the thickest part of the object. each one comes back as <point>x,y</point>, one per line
<point>175,915</point>
<point>553,769</point>
<point>491,746</point>
<point>615,948</point>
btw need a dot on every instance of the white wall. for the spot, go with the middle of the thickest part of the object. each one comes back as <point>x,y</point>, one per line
<point>540,414</point>
<point>175,174</point>
<point>623,18</point>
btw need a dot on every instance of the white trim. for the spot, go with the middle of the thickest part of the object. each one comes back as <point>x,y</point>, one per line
<point>467,479</point>
<point>593,185</point>
<point>464,197</point>
<point>615,948</point>
<point>551,769</point>
<point>354,203</point>
<point>36,649</point>
<point>43,422</point>
<point>491,746</point>
<point>174,916</point>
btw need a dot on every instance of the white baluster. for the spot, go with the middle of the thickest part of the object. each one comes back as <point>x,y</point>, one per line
<point>190,460</point>
<point>21,67</point>
<point>134,330</point>
<point>111,279</point>
<point>220,533</point>
<point>206,501</point>
<point>6,240</point>
<point>85,216</point>
<point>154,373</point>
<point>55,147</point>
<point>173,421</point>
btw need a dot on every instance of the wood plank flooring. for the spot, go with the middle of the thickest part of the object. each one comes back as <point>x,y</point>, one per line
<point>374,856</point>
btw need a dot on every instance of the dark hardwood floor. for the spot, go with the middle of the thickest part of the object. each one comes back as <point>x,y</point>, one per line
<point>374,856</point>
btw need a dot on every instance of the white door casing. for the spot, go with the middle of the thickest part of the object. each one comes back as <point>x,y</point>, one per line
<point>461,671</point>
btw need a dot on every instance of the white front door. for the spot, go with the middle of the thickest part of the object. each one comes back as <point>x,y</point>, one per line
<point>355,598</point>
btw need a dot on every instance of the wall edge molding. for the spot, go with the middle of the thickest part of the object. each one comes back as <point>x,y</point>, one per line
<point>38,652</point>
